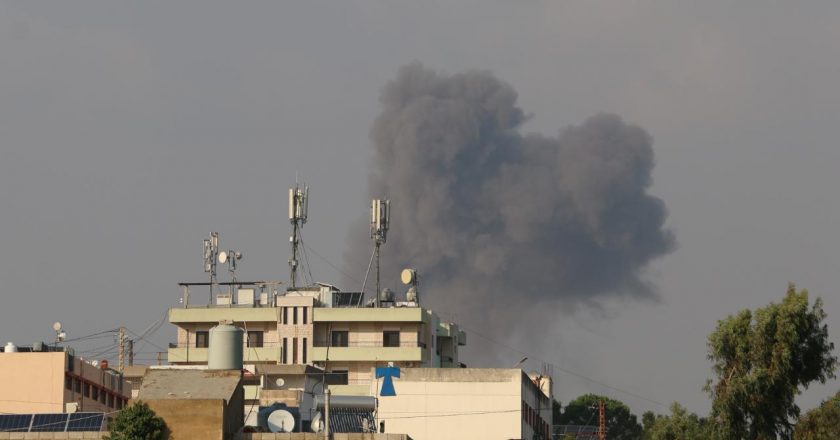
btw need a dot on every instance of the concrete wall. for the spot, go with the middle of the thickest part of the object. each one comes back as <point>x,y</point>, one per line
<point>455,403</point>
<point>192,419</point>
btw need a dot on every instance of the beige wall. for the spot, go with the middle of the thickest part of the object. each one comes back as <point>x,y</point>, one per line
<point>193,419</point>
<point>463,404</point>
<point>37,382</point>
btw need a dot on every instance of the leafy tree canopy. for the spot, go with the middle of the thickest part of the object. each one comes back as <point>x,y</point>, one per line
<point>679,425</point>
<point>821,423</point>
<point>762,360</point>
<point>137,422</point>
<point>621,423</point>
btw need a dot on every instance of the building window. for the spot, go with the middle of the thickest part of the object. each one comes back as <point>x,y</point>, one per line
<point>294,350</point>
<point>102,397</point>
<point>391,339</point>
<point>68,382</point>
<point>305,311</point>
<point>202,339</point>
<point>304,350</point>
<point>285,315</point>
<point>110,400</point>
<point>338,377</point>
<point>77,386</point>
<point>339,338</point>
<point>86,386</point>
<point>255,339</point>
<point>94,393</point>
<point>285,350</point>
<point>294,315</point>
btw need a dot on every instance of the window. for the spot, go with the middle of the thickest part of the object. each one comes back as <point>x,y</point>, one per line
<point>294,315</point>
<point>391,339</point>
<point>68,382</point>
<point>110,400</point>
<point>338,377</point>
<point>294,350</point>
<point>77,386</point>
<point>285,315</point>
<point>202,339</point>
<point>339,338</point>
<point>304,350</point>
<point>86,387</point>
<point>255,338</point>
<point>102,397</point>
<point>94,393</point>
<point>305,311</point>
<point>285,351</point>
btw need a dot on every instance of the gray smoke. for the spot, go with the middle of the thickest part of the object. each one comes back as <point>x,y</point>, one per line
<point>498,222</point>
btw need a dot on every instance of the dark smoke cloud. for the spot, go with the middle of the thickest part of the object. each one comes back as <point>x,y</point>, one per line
<point>510,221</point>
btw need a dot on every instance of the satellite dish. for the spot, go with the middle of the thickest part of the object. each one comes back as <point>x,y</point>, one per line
<point>223,256</point>
<point>280,382</point>
<point>408,276</point>
<point>317,423</point>
<point>411,295</point>
<point>94,363</point>
<point>57,326</point>
<point>281,421</point>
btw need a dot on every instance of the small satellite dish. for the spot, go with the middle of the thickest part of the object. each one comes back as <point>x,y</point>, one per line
<point>408,276</point>
<point>281,421</point>
<point>94,363</point>
<point>223,256</point>
<point>280,382</point>
<point>317,423</point>
<point>57,326</point>
<point>411,295</point>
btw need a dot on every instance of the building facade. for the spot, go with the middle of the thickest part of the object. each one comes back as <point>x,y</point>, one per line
<point>56,382</point>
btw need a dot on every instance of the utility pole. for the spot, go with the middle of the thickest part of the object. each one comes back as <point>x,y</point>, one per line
<point>602,421</point>
<point>327,414</point>
<point>121,344</point>
<point>130,352</point>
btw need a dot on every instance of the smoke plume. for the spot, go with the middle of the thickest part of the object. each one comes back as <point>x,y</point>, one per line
<point>500,222</point>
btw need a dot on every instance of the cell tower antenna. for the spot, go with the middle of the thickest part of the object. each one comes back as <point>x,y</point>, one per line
<point>380,220</point>
<point>211,252</point>
<point>298,211</point>
<point>602,421</point>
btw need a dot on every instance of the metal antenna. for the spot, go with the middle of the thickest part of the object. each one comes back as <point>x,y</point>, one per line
<point>298,210</point>
<point>211,250</point>
<point>380,219</point>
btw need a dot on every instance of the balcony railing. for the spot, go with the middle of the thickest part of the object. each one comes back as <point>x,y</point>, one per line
<point>369,344</point>
<point>192,345</point>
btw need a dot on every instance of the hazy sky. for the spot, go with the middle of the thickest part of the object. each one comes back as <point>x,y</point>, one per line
<point>130,130</point>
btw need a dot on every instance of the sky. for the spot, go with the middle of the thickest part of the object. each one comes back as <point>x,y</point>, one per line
<point>131,130</point>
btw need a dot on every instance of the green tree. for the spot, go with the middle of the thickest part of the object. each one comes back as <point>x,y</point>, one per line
<point>137,422</point>
<point>679,425</point>
<point>762,361</point>
<point>821,423</point>
<point>621,423</point>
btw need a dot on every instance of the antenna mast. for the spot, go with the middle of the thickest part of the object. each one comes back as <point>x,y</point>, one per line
<point>602,421</point>
<point>211,250</point>
<point>298,209</point>
<point>380,219</point>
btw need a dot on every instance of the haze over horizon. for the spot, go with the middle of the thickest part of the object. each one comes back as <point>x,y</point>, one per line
<point>132,130</point>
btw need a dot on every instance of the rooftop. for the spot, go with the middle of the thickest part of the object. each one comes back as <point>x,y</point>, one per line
<point>189,384</point>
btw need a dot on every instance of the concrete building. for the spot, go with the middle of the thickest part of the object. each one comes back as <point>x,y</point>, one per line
<point>465,404</point>
<point>196,404</point>
<point>42,380</point>
<point>319,326</point>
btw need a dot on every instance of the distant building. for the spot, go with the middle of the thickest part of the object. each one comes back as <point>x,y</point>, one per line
<point>43,380</point>
<point>318,326</point>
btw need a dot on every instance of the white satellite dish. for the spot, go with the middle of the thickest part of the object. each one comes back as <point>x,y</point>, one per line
<point>280,382</point>
<point>57,326</point>
<point>281,421</point>
<point>94,363</point>
<point>223,256</point>
<point>317,423</point>
<point>408,276</point>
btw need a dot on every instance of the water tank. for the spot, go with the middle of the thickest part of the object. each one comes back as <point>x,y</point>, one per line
<point>225,348</point>
<point>10,348</point>
<point>386,295</point>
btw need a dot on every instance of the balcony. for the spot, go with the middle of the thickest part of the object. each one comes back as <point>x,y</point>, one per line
<point>368,351</point>
<point>179,354</point>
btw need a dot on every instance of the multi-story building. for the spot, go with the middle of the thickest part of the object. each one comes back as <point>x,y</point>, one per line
<point>41,379</point>
<point>319,326</point>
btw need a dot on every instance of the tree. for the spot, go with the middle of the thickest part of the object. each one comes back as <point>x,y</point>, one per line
<point>621,423</point>
<point>822,423</point>
<point>680,425</point>
<point>762,361</point>
<point>137,422</point>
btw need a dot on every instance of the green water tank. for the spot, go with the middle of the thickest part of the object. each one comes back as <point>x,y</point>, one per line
<point>225,348</point>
